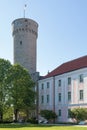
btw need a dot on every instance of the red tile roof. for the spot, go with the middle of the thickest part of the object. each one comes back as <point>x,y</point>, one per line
<point>69,66</point>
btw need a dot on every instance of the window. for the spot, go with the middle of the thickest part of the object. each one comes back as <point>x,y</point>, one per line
<point>59,83</point>
<point>69,96</point>
<point>69,80</point>
<point>47,98</point>
<point>42,99</point>
<point>42,86</point>
<point>59,112</point>
<point>81,94</point>
<point>81,78</point>
<point>20,42</point>
<point>59,96</point>
<point>69,113</point>
<point>26,20</point>
<point>48,84</point>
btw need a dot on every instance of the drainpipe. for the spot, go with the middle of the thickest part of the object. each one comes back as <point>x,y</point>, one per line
<point>54,95</point>
<point>37,102</point>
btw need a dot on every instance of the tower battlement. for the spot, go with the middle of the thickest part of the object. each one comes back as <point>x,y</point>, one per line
<point>24,25</point>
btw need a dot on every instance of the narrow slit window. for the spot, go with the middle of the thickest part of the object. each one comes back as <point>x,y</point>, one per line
<point>20,42</point>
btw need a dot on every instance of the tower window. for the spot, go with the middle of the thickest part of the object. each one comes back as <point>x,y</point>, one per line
<point>26,26</point>
<point>26,20</point>
<point>20,42</point>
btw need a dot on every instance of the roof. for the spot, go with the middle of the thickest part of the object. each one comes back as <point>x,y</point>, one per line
<point>69,66</point>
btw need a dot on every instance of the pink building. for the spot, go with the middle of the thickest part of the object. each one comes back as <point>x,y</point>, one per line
<point>64,88</point>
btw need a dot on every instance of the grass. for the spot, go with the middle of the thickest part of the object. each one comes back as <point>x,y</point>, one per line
<point>39,127</point>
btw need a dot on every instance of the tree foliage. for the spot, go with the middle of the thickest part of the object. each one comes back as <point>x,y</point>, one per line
<point>21,94</point>
<point>16,89</point>
<point>4,67</point>
<point>48,114</point>
<point>78,113</point>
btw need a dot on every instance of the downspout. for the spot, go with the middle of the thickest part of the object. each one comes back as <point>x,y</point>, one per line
<point>37,102</point>
<point>54,95</point>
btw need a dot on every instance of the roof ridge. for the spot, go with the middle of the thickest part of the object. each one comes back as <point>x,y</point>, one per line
<point>75,59</point>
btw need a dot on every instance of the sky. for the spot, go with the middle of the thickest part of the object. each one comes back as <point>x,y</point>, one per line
<point>62,31</point>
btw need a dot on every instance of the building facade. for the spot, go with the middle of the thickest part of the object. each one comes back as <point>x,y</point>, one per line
<point>64,88</point>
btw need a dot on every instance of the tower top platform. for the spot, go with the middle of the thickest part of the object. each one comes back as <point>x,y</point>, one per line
<point>24,20</point>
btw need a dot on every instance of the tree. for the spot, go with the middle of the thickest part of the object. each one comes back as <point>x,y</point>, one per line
<point>21,94</point>
<point>4,67</point>
<point>78,113</point>
<point>48,114</point>
<point>29,102</point>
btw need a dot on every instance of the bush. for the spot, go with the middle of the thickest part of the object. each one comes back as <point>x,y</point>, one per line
<point>48,114</point>
<point>33,120</point>
<point>80,114</point>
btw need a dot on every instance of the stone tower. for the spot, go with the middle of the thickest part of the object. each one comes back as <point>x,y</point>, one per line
<point>25,32</point>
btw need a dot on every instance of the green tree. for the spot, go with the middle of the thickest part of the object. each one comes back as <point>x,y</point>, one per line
<point>78,113</point>
<point>4,67</point>
<point>48,114</point>
<point>21,94</point>
<point>29,102</point>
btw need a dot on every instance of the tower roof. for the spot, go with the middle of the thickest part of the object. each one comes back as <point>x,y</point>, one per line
<point>69,66</point>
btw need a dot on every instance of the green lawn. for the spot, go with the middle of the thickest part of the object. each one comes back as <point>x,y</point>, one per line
<point>39,127</point>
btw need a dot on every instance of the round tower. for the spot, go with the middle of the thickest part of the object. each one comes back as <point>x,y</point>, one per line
<point>25,32</point>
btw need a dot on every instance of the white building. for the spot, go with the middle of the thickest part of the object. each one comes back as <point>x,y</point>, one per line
<point>64,88</point>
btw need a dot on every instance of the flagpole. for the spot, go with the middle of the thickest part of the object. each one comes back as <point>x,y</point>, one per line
<point>24,9</point>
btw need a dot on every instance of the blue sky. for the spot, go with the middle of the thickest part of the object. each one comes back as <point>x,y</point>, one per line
<point>62,32</point>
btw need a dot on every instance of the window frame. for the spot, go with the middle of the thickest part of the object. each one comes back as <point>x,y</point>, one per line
<point>42,86</point>
<point>59,113</point>
<point>48,84</point>
<point>48,98</point>
<point>59,82</point>
<point>69,96</point>
<point>81,94</point>
<point>81,78</point>
<point>69,80</point>
<point>59,97</point>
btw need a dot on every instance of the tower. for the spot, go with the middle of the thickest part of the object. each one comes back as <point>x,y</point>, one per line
<point>25,32</point>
